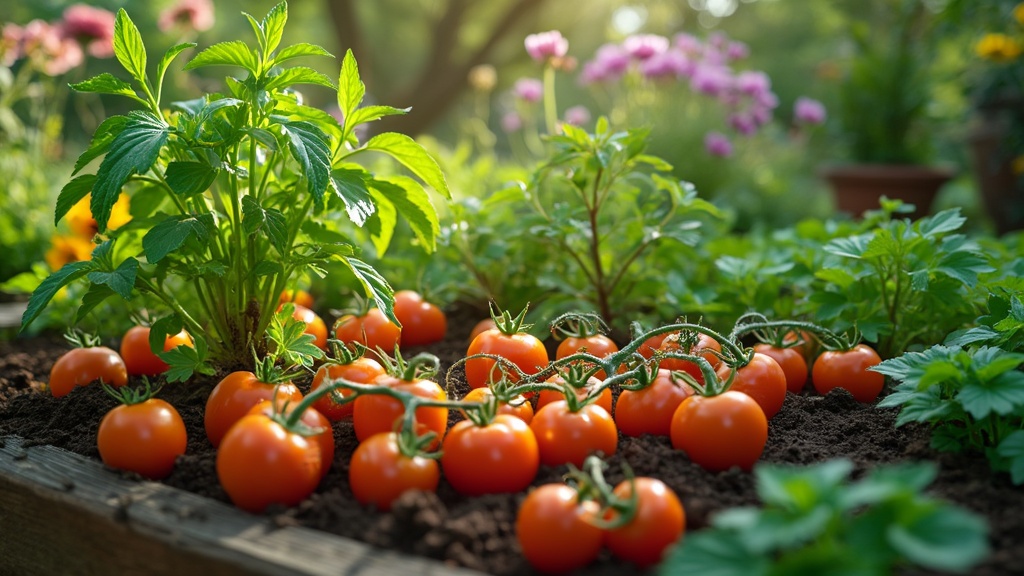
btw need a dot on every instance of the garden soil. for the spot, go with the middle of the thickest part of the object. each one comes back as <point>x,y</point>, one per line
<point>479,532</point>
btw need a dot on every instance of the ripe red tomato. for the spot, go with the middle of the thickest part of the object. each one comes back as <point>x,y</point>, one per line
<point>376,413</point>
<point>555,529</point>
<point>649,411</point>
<point>497,458</point>
<point>569,437</point>
<point>604,398</point>
<point>523,350</point>
<point>299,297</point>
<point>596,345</point>
<point>379,473</point>
<point>362,370</point>
<point>659,523</point>
<point>808,348</point>
<point>145,438</point>
<point>139,358</point>
<point>260,463</point>
<point>653,343</point>
<point>482,326</point>
<point>81,366</point>
<point>848,369</point>
<point>519,407</point>
<point>422,322</point>
<point>312,419</point>
<point>314,325</point>
<point>234,396</point>
<point>762,379</point>
<point>792,363</point>
<point>372,330</point>
<point>706,348</point>
<point>719,432</point>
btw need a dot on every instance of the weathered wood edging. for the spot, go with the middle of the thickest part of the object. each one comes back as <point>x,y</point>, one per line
<point>63,513</point>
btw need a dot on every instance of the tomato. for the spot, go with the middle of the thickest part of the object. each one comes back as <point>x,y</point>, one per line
<point>379,473</point>
<point>312,419</point>
<point>523,350</point>
<point>596,345</point>
<point>555,529</point>
<point>299,297</point>
<point>234,396</point>
<point>361,371</point>
<point>649,411</point>
<point>481,326</point>
<point>81,366</point>
<point>376,413</point>
<point>519,407</point>
<point>139,358</point>
<point>762,379</point>
<point>497,458</point>
<point>314,325</point>
<point>658,523</point>
<point>145,438</point>
<point>260,463</point>
<point>706,348</point>
<point>793,365</point>
<point>808,348</point>
<point>569,437</point>
<point>372,330</point>
<point>849,369</point>
<point>653,343</point>
<point>604,398</point>
<point>422,322</point>
<point>719,432</point>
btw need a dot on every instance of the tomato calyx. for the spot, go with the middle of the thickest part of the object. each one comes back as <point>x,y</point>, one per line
<point>590,484</point>
<point>128,396</point>
<point>79,339</point>
<point>578,325</point>
<point>506,323</point>
<point>422,366</point>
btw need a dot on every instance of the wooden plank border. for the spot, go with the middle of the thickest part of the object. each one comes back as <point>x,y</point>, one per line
<point>63,513</point>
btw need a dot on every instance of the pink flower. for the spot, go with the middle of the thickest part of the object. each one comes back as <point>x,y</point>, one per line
<point>577,115</point>
<point>546,45</point>
<point>744,124</point>
<point>711,80</point>
<point>753,83</point>
<point>669,63</point>
<point>48,49</point>
<point>717,144</point>
<point>643,46</point>
<point>528,89</point>
<point>761,114</point>
<point>809,111</point>
<point>511,122</point>
<point>737,51</point>
<point>92,26</point>
<point>688,43</point>
<point>194,15</point>
<point>609,63</point>
<point>10,44</point>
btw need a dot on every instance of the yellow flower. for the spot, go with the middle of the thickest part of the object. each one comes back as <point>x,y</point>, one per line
<point>1018,13</point>
<point>82,223</point>
<point>66,249</point>
<point>1018,165</point>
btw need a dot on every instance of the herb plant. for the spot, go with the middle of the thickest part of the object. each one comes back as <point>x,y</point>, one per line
<point>233,193</point>
<point>816,522</point>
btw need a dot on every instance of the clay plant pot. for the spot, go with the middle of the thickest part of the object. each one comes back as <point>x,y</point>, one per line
<point>860,187</point>
<point>1000,190</point>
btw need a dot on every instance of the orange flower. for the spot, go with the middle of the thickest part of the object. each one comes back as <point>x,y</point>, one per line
<point>82,223</point>
<point>66,249</point>
<point>998,47</point>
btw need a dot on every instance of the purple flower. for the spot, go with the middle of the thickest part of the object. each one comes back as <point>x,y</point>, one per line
<point>737,51</point>
<point>753,83</point>
<point>643,46</point>
<point>711,80</point>
<point>511,122</point>
<point>767,99</point>
<point>809,111</point>
<point>609,63</point>
<point>743,123</point>
<point>10,44</point>
<point>528,89</point>
<point>92,26</point>
<point>761,114</point>
<point>546,45</point>
<point>577,115</point>
<point>688,43</point>
<point>669,63</point>
<point>194,15</point>
<point>717,144</point>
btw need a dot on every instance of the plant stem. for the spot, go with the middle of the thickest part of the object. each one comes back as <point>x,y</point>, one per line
<point>550,108</point>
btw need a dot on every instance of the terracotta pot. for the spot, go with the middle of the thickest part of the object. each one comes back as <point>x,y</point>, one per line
<point>1001,191</point>
<point>860,187</point>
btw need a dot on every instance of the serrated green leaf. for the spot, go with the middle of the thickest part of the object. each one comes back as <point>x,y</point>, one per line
<point>945,221</point>
<point>938,372</point>
<point>129,48</point>
<point>72,193</point>
<point>310,146</point>
<point>1012,448</point>
<point>273,25</point>
<point>106,83</point>
<point>371,113</point>
<point>264,137</point>
<point>799,488</point>
<point>93,297</point>
<point>267,268</point>
<point>963,266</point>
<point>944,538</point>
<point>161,329</point>
<point>101,140</point>
<point>298,75</point>
<point>232,53</point>
<point>888,482</point>
<point>852,247</point>
<point>381,225</point>
<point>271,221</point>
<point>413,156</point>
<point>976,335</point>
<point>951,438</point>
<point>350,185</point>
<point>190,178</point>
<point>42,295</point>
<point>883,244</point>
<point>1000,362</point>
<point>299,50</point>
<point>714,553</point>
<point>350,89</point>
<point>133,151</point>
<point>169,235</point>
<point>120,280</point>
<point>1002,395</point>
<point>374,286</point>
<point>840,277</point>
<point>185,361</point>
<point>257,29</point>
<point>169,57</point>
<point>413,204</point>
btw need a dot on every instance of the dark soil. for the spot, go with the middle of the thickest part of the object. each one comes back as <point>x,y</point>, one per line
<point>479,532</point>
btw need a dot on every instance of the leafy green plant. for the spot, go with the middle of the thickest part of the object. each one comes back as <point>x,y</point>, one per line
<point>901,283</point>
<point>973,399</point>
<point>237,190</point>
<point>814,521</point>
<point>1002,326</point>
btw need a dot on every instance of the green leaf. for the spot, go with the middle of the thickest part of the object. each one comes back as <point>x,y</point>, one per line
<point>963,266</point>
<point>714,553</point>
<point>350,89</point>
<point>381,225</point>
<point>129,47</point>
<point>412,156</point>
<point>272,222</point>
<point>886,483</point>
<point>121,280</point>
<point>374,286</point>
<point>371,113</point>
<point>42,295</point>
<point>169,235</point>
<point>799,488</point>
<point>273,25</point>
<point>298,75</point>
<point>168,57</point>
<point>1012,448</point>
<point>101,140</point>
<point>852,247</point>
<point>185,361</point>
<point>413,203</point>
<point>299,50</point>
<point>71,194</point>
<point>161,329</point>
<point>93,297</point>
<point>999,362</point>
<point>945,221</point>
<point>133,151</point>
<point>310,146</point>
<point>945,538</point>
<point>1002,395</point>
<point>350,185</point>
<point>190,178</point>
<point>838,276</point>
<point>232,53</point>
<point>106,83</point>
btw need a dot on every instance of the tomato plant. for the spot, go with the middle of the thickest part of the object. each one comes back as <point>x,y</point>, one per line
<point>313,420</point>
<point>315,325</point>
<point>719,432</point>
<point>762,379</point>
<point>362,370</point>
<point>85,364</point>
<point>705,346</point>
<point>655,521</point>
<point>143,434</point>
<point>649,410</point>
<point>372,329</point>
<point>792,362</point>
<point>517,406</point>
<point>380,472</point>
<point>565,436</point>
<point>556,530</point>
<point>848,369</point>
<point>236,394</point>
<point>376,413</point>
<point>139,358</point>
<point>582,333</point>
<point>422,322</point>
<point>604,397</point>
<point>509,342</point>
<point>490,457</point>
